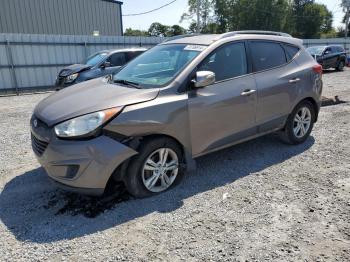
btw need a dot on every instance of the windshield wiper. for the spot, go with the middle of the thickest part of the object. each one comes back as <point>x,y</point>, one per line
<point>127,83</point>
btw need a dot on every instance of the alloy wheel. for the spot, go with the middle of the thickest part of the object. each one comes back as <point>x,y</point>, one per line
<point>160,170</point>
<point>302,122</point>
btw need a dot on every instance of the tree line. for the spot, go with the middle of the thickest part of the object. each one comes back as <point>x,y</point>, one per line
<point>300,18</point>
<point>157,29</point>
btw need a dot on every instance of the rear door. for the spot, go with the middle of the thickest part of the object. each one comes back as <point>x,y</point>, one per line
<point>335,56</point>
<point>277,80</point>
<point>223,112</point>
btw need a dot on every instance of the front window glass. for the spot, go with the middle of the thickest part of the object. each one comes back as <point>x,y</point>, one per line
<point>158,66</point>
<point>131,55</point>
<point>96,58</point>
<point>316,50</point>
<point>117,59</point>
<point>226,62</point>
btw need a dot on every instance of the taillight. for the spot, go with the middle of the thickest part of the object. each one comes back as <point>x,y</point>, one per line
<point>317,69</point>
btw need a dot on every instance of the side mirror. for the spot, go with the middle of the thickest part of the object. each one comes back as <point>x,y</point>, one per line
<point>326,52</point>
<point>203,78</point>
<point>106,64</point>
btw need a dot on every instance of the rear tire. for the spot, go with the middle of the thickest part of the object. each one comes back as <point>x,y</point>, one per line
<point>299,124</point>
<point>157,168</point>
<point>340,66</point>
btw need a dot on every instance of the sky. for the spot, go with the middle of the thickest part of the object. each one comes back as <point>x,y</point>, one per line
<point>171,14</point>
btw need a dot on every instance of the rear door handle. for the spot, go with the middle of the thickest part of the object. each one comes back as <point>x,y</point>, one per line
<point>295,80</point>
<point>248,92</point>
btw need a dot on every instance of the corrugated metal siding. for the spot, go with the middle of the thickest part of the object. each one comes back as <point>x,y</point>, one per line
<point>62,17</point>
<point>37,59</point>
<point>329,41</point>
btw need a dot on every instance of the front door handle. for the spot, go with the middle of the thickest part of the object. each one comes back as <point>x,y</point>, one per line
<point>294,80</point>
<point>248,92</point>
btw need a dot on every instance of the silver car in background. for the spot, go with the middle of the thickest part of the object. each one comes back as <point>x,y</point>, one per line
<point>180,100</point>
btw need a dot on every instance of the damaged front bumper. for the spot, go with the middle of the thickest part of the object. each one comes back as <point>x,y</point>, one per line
<point>83,166</point>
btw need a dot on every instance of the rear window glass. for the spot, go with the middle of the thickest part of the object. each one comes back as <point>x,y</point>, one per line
<point>291,51</point>
<point>267,55</point>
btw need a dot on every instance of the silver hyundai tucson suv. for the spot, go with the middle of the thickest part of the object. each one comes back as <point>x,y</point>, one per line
<point>182,99</point>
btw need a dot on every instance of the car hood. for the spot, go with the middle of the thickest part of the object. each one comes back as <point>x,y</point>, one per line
<point>88,97</point>
<point>72,69</point>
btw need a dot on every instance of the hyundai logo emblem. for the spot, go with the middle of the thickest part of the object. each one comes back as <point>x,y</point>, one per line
<point>35,123</point>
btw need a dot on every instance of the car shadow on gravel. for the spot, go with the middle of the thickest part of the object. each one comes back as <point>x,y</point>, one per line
<point>330,71</point>
<point>34,210</point>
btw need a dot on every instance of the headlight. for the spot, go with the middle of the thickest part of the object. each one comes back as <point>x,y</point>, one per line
<point>85,124</point>
<point>71,78</point>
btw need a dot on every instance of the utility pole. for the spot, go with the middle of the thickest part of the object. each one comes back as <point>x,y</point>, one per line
<point>347,21</point>
<point>347,12</point>
<point>346,6</point>
<point>198,18</point>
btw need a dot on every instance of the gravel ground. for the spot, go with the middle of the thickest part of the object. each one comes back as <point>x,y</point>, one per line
<point>261,200</point>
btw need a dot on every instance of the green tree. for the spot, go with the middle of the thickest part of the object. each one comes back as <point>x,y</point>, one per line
<point>157,29</point>
<point>311,19</point>
<point>211,28</point>
<point>345,19</point>
<point>176,30</point>
<point>330,34</point>
<point>251,14</point>
<point>132,32</point>
<point>205,13</point>
<point>340,31</point>
<point>192,29</point>
<point>302,18</point>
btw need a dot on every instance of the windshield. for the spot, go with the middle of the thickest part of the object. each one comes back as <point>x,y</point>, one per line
<point>96,58</point>
<point>158,66</point>
<point>316,50</point>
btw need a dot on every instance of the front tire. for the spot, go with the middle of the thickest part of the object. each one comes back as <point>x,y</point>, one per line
<point>156,168</point>
<point>340,66</point>
<point>299,124</point>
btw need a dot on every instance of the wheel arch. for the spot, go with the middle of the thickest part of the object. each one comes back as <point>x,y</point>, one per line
<point>135,143</point>
<point>188,160</point>
<point>312,101</point>
<point>342,58</point>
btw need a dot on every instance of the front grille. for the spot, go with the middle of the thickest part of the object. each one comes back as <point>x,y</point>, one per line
<point>40,124</point>
<point>38,146</point>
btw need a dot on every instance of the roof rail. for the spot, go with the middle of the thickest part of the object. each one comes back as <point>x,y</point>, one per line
<point>253,32</point>
<point>178,37</point>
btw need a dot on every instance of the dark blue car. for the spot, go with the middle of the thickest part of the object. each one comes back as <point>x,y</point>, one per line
<point>333,56</point>
<point>99,64</point>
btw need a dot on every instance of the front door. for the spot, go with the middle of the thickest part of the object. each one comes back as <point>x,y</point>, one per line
<point>223,112</point>
<point>116,60</point>
<point>330,57</point>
